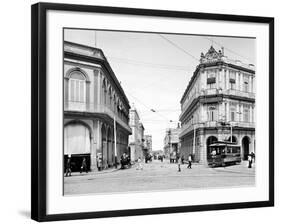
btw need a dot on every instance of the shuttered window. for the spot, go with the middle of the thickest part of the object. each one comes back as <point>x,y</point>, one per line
<point>77,88</point>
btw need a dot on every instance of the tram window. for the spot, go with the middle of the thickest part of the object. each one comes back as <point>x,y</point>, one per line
<point>228,150</point>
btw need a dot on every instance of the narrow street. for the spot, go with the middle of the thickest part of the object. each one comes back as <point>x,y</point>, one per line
<point>159,176</point>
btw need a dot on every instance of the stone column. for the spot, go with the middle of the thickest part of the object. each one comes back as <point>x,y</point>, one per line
<point>222,79</point>
<point>95,144</point>
<point>242,113</point>
<point>237,80</point>
<point>203,151</point>
<point>250,83</point>
<point>88,106</point>
<point>66,91</point>
<point>251,114</point>
<point>227,79</point>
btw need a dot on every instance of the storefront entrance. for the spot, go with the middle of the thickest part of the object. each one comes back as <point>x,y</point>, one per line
<point>77,145</point>
<point>245,147</point>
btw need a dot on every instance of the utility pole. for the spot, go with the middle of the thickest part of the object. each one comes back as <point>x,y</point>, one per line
<point>230,132</point>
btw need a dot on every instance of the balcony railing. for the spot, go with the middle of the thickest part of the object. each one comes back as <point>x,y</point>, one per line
<point>239,93</point>
<point>207,92</point>
<point>207,124</point>
<point>92,108</point>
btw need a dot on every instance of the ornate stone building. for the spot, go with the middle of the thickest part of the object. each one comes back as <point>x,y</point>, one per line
<point>94,102</point>
<point>137,138</point>
<point>172,143</point>
<point>147,144</point>
<point>218,104</point>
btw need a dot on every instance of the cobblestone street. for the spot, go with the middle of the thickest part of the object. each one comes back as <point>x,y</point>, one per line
<point>159,176</point>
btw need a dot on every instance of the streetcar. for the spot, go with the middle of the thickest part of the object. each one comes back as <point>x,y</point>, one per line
<point>222,153</point>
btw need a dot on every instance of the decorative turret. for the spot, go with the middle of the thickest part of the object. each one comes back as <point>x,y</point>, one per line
<point>211,56</point>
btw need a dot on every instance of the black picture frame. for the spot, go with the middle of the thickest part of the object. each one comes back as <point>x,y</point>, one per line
<point>39,108</point>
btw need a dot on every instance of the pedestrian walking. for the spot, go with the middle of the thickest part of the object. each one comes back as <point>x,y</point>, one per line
<point>139,167</point>
<point>253,157</point>
<point>250,160</point>
<point>182,159</point>
<point>214,153</point>
<point>189,161</point>
<point>68,167</point>
<point>84,166</point>
<point>179,165</point>
<point>99,161</point>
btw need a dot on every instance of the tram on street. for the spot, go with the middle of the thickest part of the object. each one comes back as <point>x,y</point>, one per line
<point>222,153</point>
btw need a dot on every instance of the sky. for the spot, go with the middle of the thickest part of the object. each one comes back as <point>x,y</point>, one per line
<point>154,69</point>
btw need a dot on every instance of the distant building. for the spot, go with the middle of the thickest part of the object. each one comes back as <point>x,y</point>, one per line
<point>93,100</point>
<point>147,144</point>
<point>137,138</point>
<point>172,143</point>
<point>218,104</point>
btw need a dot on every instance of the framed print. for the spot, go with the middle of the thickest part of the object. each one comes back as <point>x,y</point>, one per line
<point>140,111</point>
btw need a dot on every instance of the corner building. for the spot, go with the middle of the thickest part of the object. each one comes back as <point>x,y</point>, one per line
<point>218,104</point>
<point>136,140</point>
<point>93,100</point>
<point>172,143</point>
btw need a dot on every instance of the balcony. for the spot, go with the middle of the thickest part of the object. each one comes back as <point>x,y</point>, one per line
<point>97,109</point>
<point>215,91</point>
<point>213,124</point>
<point>239,93</point>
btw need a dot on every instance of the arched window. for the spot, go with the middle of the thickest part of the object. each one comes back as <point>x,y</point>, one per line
<point>77,87</point>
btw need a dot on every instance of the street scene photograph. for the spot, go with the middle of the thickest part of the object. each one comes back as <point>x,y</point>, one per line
<point>148,112</point>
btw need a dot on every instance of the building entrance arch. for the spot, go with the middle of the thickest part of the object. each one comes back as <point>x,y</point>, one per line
<point>210,140</point>
<point>245,147</point>
<point>77,144</point>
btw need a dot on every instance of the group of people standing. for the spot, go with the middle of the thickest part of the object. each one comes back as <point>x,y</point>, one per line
<point>83,168</point>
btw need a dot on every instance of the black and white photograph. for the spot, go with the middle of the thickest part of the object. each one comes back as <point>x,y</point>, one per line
<point>149,112</point>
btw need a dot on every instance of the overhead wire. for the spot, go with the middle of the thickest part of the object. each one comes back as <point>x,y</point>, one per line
<point>226,48</point>
<point>178,47</point>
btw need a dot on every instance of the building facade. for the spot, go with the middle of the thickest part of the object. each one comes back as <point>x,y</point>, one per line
<point>136,140</point>
<point>218,104</point>
<point>172,143</point>
<point>147,144</point>
<point>96,109</point>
